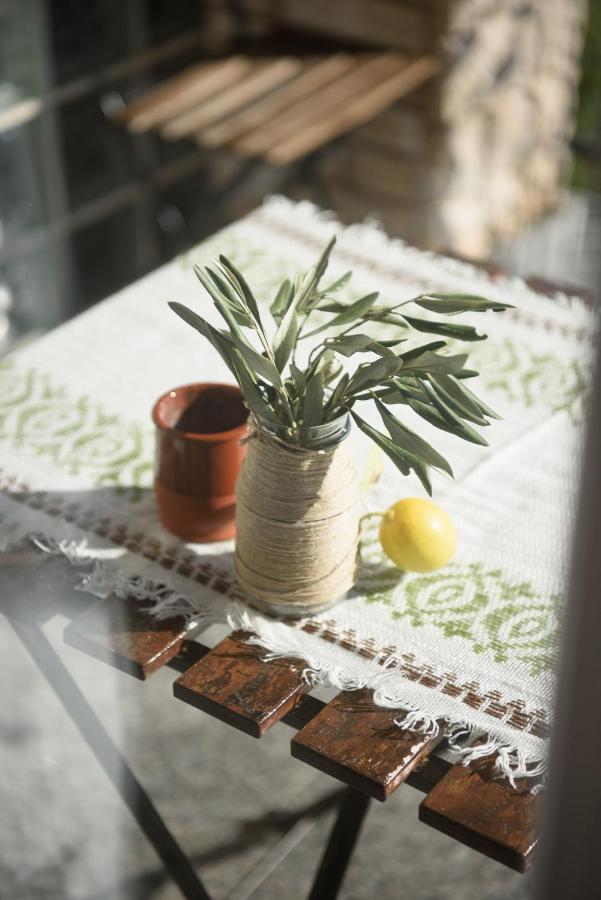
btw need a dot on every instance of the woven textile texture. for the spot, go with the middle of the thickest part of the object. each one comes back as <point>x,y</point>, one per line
<point>472,647</point>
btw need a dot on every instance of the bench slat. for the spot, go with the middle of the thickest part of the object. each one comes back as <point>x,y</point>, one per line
<point>358,743</point>
<point>484,812</point>
<point>119,632</point>
<point>234,684</point>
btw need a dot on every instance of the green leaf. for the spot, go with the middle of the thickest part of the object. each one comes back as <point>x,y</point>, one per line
<point>457,398</point>
<point>435,363</point>
<point>429,414</point>
<point>313,276</point>
<point>482,406</point>
<point>225,287</point>
<point>232,313</point>
<point>380,314</point>
<point>259,363</point>
<point>245,291</point>
<point>403,459</point>
<point>282,300</point>
<point>408,440</point>
<point>331,306</point>
<point>351,313</point>
<point>299,379</point>
<point>220,342</point>
<point>372,374</point>
<point>460,332</point>
<point>451,304</point>
<point>338,284</point>
<point>349,344</point>
<point>337,393</point>
<point>410,355</point>
<point>285,337</point>
<point>451,418</point>
<point>313,405</point>
<point>253,397</point>
<point>329,366</point>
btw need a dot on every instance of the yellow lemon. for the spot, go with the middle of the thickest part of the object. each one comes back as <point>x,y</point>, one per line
<point>417,535</point>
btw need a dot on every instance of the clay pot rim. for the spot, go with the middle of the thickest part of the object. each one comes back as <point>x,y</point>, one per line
<point>212,437</point>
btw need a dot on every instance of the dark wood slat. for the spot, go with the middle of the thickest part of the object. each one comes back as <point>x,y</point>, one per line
<point>119,632</point>
<point>358,743</point>
<point>484,812</point>
<point>235,685</point>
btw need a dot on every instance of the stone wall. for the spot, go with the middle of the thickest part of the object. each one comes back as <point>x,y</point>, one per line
<point>482,149</point>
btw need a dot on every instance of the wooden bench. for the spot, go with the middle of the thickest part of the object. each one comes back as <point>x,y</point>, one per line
<point>351,739</point>
<point>279,108</point>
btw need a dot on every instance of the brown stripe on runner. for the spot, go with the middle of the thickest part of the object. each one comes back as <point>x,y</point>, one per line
<point>535,722</point>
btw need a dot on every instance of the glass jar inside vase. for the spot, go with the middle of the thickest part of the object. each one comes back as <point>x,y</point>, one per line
<point>297,517</point>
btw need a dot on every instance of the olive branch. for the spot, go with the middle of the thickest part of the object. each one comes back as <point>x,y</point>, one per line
<point>283,394</point>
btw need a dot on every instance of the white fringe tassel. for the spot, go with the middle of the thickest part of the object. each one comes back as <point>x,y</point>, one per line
<point>389,687</point>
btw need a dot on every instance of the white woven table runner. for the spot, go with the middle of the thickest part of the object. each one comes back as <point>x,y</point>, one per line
<point>471,647</point>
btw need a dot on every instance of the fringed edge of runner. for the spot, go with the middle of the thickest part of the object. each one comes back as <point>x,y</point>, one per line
<point>371,236</point>
<point>469,738</point>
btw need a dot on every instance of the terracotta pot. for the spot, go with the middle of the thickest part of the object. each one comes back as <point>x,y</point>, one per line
<point>198,456</point>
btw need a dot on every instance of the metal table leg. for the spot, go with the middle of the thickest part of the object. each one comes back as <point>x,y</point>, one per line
<point>111,760</point>
<point>341,844</point>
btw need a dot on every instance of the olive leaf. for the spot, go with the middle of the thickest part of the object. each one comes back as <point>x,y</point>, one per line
<point>259,363</point>
<point>403,459</point>
<point>459,332</point>
<point>349,344</point>
<point>239,282</point>
<point>312,277</point>
<point>299,379</point>
<point>457,398</point>
<point>338,284</point>
<point>285,337</point>
<point>282,300</point>
<point>313,405</point>
<point>219,341</point>
<point>434,362</point>
<point>452,304</point>
<point>349,314</point>
<point>370,375</point>
<point>412,442</point>
<point>452,418</point>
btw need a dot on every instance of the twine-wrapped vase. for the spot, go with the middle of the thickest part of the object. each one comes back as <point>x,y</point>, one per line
<point>297,519</point>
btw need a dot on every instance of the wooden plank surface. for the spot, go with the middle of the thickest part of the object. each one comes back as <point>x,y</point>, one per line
<point>119,632</point>
<point>359,743</point>
<point>259,114</point>
<point>367,71</point>
<point>280,108</point>
<point>353,112</point>
<point>262,78</point>
<point>183,92</point>
<point>234,684</point>
<point>474,806</point>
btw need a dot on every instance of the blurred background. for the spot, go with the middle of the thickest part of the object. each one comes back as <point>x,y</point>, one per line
<point>494,154</point>
<point>488,148</point>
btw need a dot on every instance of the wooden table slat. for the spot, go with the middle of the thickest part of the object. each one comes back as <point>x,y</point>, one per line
<point>119,632</point>
<point>474,806</point>
<point>260,80</point>
<point>314,77</point>
<point>356,111</point>
<point>359,743</point>
<point>367,72</point>
<point>234,684</point>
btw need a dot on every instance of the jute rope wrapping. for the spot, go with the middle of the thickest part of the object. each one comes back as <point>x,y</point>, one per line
<point>297,525</point>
